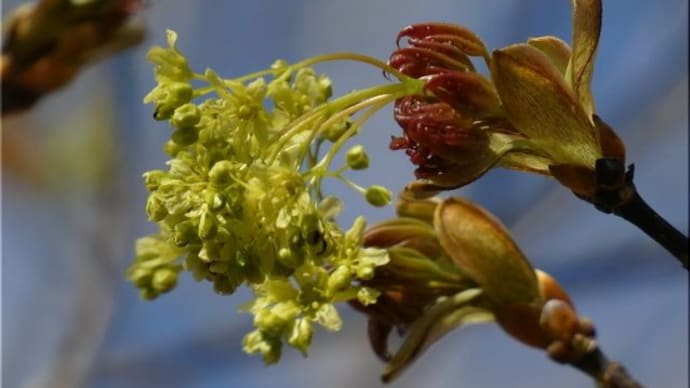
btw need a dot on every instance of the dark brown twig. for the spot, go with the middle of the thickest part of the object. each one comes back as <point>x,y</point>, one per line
<point>608,374</point>
<point>617,194</point>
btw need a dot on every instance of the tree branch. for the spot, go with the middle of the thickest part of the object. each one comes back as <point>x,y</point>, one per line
<point>47,44</point>
<point>617,194</point>
<point>608,374</point>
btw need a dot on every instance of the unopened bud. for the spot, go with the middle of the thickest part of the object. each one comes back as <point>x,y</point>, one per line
<point>164,280</point>
<point>171,148</point>
<point>185,116</point>
<point>378,195</point>
<point>357,158</point>
<point>207,225</point>
<point>367,295</point>
<point>148,294</point>
<point>155,208</point>
<point>168,97</point>
<point>185,136</point>
<point>214,201</point>
<point>339,279</point>
<point>220,174</point>
<point>335,131</point>
<point>152,179</point>
<point>300,335</point>
<point>140,277</point>
<point>184,232</point>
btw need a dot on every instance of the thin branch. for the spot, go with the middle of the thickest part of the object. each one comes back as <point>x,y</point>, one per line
<point>617,194</point>
<point>48,44</point>
<point>608,374</point>
<point>640,214</point>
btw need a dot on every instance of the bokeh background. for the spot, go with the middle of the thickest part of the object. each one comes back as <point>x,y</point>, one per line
<point>73,204</point>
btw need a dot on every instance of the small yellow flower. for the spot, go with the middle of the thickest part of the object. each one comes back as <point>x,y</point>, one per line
<point>241,201</point>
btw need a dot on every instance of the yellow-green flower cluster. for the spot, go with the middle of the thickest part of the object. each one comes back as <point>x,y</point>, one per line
<point>241,202</point>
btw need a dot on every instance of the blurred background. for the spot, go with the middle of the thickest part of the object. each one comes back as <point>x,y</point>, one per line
<point>73,204</point>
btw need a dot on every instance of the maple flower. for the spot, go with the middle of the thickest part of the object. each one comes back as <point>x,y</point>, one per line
<point>241,204</point>
<point>451,263</point>
<point>534,111</point>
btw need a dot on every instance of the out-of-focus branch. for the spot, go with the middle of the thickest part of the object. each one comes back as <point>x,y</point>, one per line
<point>608,374</point>
<point>47,44</point>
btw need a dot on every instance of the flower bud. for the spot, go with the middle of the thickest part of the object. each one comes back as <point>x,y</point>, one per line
<point>335,131</point>
<point>367,295</point>
<point>152,179</point>
<point>214,201</point>
<point>185,116</point>
<point>300,335</point>
<point>279,67</point>
<point>378,195</point>
<point>365,272</point>
<point>185,136</point>
<point>140,277</point>
<point>220,174</point>
<point>155,208</point>
<point>339,279</point>
<point>223,286</point>
<point>219,267</point>
<point>357,158</point>
<point>184,232</point>
<point>148,294</point>
<point>168,96</point>
<point>164,280</point>
<point>171,148</point>
<point>207,226</point>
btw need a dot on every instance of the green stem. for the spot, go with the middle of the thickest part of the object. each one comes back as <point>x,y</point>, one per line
<point>376,103</point>
<point>340,56</point>
<point>379,102</point>
<point>353,57</point>
<point>361,99</point>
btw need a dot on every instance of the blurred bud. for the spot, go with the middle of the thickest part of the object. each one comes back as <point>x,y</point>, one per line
<point>167,96</point>
<point>339,279</point>
<point>171,148</point>
<point>164,280</point>
<point>155,209</point>
<point>141,277</point>
<point>184,232</point>
<point>220,174</point>
<point>300,335</point>
<point>185,136</point>
<point>214,200</point>
<point>153,178</point>
<point>207,225</point>
<point>148,294</point>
